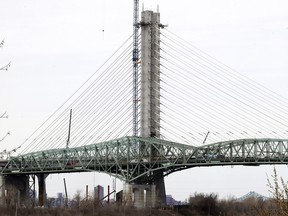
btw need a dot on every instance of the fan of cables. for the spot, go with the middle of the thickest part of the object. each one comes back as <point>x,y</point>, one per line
<point>101,109</point>
<point>205,101</point>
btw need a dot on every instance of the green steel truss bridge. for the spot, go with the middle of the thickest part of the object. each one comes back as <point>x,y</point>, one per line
<point>119,157</point>
<point>199,96</point>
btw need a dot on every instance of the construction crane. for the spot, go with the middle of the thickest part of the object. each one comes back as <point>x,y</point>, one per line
<point>135,67</point>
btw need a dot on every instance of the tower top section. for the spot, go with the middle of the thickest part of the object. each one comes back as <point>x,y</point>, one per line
<point>150,74</point>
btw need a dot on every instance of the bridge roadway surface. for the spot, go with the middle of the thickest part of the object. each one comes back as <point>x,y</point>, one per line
<point>121,157</point>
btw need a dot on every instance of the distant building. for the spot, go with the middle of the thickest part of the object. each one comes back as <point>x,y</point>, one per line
<point>171,201</point>
<point>253,194</point>
<point>60,200</point>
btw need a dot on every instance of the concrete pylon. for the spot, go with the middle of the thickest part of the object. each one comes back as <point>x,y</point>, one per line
<point>150,74</point>
<point>150,88</point>
<point>154,194</point>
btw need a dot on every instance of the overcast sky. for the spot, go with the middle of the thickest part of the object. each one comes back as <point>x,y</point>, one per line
<point>54,46</point>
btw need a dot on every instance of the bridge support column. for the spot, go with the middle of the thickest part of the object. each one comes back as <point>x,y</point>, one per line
<point>141,196</point>
<point>127,194</point>
<point>15,189</point>
<point>151,196</point>
<point>160,190</point>
<point>41,189</point>
<point>2,189</point>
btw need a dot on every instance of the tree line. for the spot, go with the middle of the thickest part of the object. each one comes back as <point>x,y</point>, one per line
<point>198,204</point>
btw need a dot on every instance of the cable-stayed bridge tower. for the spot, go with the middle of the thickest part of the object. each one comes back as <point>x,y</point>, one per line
<point>150,74</point>
<point>150,104</point>
<point>146,107</point>
<point>150,87</point>
<point>101,140</point>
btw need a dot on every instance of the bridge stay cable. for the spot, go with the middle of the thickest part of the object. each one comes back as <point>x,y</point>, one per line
<point>83,110</point>
<point>202,100</point>
<point>114,96</point>
<point>230,72</point>
<point>227,83</point>
<point>261,109</point>
<point>239,99</point>
<point>51,123</point>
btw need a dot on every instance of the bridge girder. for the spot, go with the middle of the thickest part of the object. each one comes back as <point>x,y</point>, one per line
<point>121,158</point>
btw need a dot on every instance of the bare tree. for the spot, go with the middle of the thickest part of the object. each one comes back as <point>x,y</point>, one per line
<point>4,115</point>
<point>5,67</point>
<point>279,190</point>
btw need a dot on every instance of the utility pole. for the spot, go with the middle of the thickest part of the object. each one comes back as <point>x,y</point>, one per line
<point>135,67</point>
<point>66,194</point>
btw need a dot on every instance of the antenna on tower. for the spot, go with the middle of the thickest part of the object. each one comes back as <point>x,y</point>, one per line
<point>135,66</point>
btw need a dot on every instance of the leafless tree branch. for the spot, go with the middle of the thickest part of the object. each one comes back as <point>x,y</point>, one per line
<point>6,67</point>
<point>4,115</point>
<point>7,134</point>
<point>2,43</point>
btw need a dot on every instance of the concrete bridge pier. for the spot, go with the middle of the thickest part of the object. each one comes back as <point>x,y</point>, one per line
<point>160,190</point>
<point>2,189</point>
<point>141,196</point>
<point>14,189</point>
<point>127,198</point>
<point>151,196</point>
<point>41,189</point>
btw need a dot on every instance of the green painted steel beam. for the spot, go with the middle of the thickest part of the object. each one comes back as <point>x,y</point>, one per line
<point>136,159</point>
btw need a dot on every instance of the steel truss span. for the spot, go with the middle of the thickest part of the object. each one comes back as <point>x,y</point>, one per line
<point>135,159</point>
